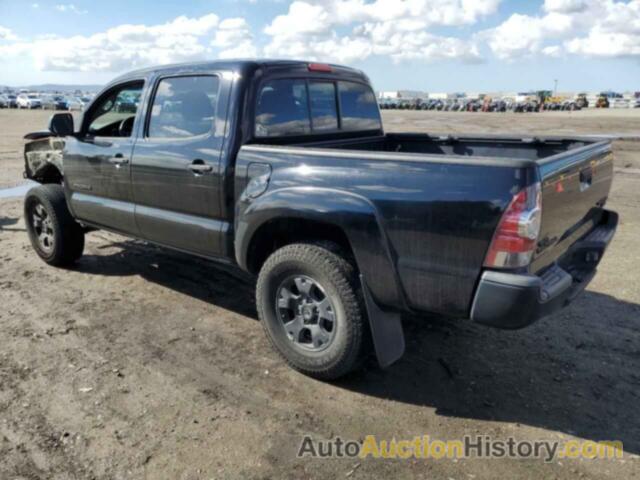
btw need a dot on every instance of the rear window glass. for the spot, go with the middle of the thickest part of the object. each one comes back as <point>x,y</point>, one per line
<point>184,107</point>
<point>324,113</point>
<point>300,107</point>
<point>282,109</point>
<point>358,107</point>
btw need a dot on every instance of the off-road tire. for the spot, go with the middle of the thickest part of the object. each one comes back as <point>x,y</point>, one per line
<point>339,279</point>
<point>67,234</point>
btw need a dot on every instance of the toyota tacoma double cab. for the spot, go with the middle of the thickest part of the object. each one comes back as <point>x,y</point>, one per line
<point>283,169</point>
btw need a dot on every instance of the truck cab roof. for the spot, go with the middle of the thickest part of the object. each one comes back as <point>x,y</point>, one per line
<point>244,67</point>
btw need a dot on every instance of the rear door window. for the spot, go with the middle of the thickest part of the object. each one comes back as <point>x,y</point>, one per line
<point>358,107</point>
<point>282,109</point>
<point>324,113</point>
<point>184,107</point>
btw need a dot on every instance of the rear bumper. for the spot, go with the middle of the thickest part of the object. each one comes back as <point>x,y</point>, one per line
<point>507,300</point>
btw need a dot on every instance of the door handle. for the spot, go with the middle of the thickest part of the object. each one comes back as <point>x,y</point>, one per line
<point>118,159</point>
<point>198,166</point>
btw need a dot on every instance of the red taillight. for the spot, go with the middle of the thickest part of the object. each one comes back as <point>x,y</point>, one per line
<point>320,67</point>
<point>514,241</point>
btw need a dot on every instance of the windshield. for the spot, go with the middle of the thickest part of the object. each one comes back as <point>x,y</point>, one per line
<point>32,96</point>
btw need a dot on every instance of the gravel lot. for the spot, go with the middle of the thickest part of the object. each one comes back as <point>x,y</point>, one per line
<point>144,363</point>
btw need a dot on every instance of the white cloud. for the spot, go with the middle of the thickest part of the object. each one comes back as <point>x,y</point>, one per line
<point>302,19</point>
<point>605,28</point>
<point>69,8</point>
<point>552,51</point>
<point>346,31</point>
<point>521,35</point>
<point>602,44</point>
<point>125,47</point>
<point>7,34</point>
<point>316,29</point>
<point>565,6</point>
<point>235,38</point>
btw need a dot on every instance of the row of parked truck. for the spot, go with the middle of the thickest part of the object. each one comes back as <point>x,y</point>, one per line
<point>541,102</point>
<point>44,101</point>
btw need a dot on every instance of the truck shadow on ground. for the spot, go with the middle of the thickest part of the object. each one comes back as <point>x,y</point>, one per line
<point>223,286</point>
<point>576,372</point>
<point>9,221</point>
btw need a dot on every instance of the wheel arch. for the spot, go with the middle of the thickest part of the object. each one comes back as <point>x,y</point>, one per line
<point>43,160</point>
<point>302,214</point>
<point>49,173</point>
<point>284,230</point>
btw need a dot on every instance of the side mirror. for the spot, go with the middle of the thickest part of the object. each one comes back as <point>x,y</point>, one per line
<point>61,124</point>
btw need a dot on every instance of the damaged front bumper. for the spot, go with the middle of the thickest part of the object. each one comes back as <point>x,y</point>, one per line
<point>42,154</point>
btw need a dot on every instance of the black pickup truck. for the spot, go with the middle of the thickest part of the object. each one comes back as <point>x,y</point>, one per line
<point>283,169</point>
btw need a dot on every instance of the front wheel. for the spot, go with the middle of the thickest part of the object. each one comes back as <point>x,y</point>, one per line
<point>55,236</point>
<point>309,304</point>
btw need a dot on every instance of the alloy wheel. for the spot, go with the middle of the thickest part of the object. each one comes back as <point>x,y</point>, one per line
<point>307,313</point>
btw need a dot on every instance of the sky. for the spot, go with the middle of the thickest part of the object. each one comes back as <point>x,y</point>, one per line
<point>428,45</point>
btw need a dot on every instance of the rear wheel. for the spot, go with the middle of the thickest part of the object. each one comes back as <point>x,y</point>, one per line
<point>309,304</point>
<point>55,236</point>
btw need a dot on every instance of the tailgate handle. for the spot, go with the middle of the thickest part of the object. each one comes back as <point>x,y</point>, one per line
<point>586,177</point>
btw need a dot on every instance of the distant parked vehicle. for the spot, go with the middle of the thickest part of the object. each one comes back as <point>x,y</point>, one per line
<point>570,105</point>
<point>581,100</point>
<point>29,100</point>
<point>77,103</point>
<point>55,102</point>
<point>473,106</point>
<point>12,101</point>
<point>619,103</point>
<point>493,105</point>
<point>86,100</point>
<point>611,94</point>
<point>415,104</point>
<point>522,107</point>
<point>499,106</point>
<point>4,102</point>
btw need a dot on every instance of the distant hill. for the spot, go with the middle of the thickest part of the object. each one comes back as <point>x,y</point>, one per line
<point>54,87</point>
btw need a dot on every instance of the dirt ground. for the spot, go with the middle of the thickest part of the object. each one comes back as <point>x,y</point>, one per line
<point>144,363</point>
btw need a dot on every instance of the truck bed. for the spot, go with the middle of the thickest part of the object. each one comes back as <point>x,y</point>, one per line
<point>439,199</point>
<point>507,148</point>
<point>576,174</point>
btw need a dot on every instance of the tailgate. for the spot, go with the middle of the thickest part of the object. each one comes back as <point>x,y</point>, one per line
<point>575,186</point>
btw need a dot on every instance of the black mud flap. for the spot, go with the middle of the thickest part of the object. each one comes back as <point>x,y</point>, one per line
<point>386,330</point>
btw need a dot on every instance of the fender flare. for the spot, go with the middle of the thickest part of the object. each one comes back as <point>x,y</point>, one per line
<point>359,220</point>
<point>355,215</point>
